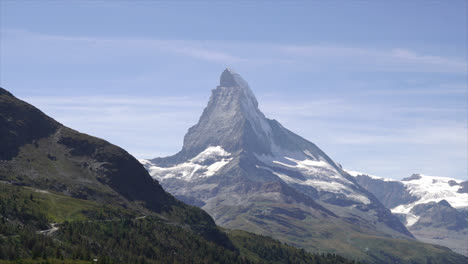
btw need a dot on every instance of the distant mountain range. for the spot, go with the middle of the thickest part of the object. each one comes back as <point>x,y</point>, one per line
<point>249,172</point>
<point>434,209</point>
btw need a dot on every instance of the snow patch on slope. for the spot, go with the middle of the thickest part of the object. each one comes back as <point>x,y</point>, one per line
<point>433,189</point>
<point>204,165</point>
<point>411,219</point>
<point>318,174</point>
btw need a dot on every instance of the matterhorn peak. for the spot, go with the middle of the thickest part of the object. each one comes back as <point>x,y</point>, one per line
<point>234,82</point>
<point>228,78</point>
<point>235,157</point>
<point>231,119</point>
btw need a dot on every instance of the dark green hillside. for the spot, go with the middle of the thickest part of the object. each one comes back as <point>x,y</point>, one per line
<point>85,230</point>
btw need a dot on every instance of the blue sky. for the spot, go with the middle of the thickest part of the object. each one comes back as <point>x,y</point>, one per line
<point>380,86</point>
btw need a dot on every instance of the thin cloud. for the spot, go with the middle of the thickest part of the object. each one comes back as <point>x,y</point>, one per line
<point>461,89</point>
<point>397,59</point>
<point>310,57</point>
<point>114,46</point>
<point>349,109</point>
<point>101,100</point>
<point>411,57</point>
<point>423,135</point>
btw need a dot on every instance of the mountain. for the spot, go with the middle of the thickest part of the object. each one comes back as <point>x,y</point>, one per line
<point>249,172</point>
<point>434,209</point>
<point>439,214</point>
<point>38,151</point>
<point>67,197</point>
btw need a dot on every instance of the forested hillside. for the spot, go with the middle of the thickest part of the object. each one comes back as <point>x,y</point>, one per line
<point>84,231</point>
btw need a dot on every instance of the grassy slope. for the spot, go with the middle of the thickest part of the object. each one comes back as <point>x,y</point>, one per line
<point>57,208</point>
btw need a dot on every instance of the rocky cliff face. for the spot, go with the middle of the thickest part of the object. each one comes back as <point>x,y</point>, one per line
<point>439,214</point>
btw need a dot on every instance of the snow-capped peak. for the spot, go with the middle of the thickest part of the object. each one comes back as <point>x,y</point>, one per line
<point>434,189</point>
<point>425,189</point>
<point>234,156</point>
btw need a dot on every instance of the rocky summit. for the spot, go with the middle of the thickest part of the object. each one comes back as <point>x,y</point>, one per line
<point>251,173</point>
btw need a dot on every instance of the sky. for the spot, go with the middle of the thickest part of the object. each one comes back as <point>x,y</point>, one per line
<point>380,86</point>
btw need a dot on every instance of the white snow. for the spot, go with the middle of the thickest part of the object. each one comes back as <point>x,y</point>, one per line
<point>426,189</point>
<point>358,197</point>
<point>310,155</point>
<point>433,189</point>
<point>194,168</point>
<point>318,168</point>
<point>210,153</point>
<point>144,162</point>
<point>213,168</point>
<point>318,174</point>
<point>411,219</point>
